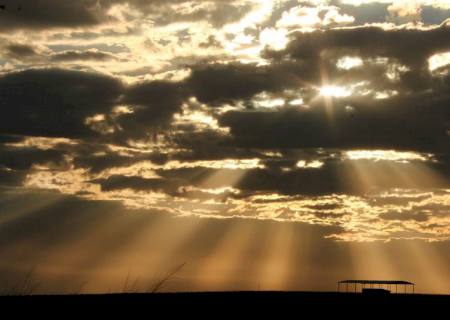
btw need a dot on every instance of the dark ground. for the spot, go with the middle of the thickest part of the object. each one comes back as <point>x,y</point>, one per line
<point>216,304</point>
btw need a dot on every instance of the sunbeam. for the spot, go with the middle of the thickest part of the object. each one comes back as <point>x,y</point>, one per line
<point>188,145</point>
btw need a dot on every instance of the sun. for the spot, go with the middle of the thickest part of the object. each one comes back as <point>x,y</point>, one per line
<point>334,91</point>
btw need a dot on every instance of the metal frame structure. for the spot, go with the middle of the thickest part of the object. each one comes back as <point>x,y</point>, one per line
<point>382,284</point>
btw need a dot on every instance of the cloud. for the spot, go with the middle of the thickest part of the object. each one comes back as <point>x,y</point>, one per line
<point>371,42</point>
<point>19,51</point>
<point>54,102</point>
<point>25,158</point>
<point>117,182</point>
<point>398,215</point>
<point>218,13</point>
<point>217,84</point>
<point>351,177</point>
<point>313,17</point>
<point>32,54</point>
<point>78,104</point>
<point>415,123</point>
<point>42,14</point>
<point>83,56</point>
<point>165,104</point>
<point>96,160</point>
<point>47,14</point>
<point>153,105</point>
<point>12,178</point>
<point>405,9</point>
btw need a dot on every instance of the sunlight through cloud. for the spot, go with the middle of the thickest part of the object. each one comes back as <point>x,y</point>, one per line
<point>388,155</point>
<point>334,91</point>
<point>348,62</point>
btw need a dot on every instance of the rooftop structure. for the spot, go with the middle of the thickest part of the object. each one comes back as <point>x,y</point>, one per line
<point>372,284</point>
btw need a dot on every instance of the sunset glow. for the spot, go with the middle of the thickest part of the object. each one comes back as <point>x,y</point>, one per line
<point>254,145</point>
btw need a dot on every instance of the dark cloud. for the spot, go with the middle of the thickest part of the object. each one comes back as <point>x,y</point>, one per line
<point>173,182</point>
<point>305,182</point>
<point>44,14</point>
<point>153,104</point>
<point>23,158</point>
<point>112,48</point>
<point>202,176</point>
<point>227,83</point>
<point>398,215</point>
<point>89,159</point>
<point>57,103</point>
<point>97,158</point>
<point>416,123</point>
<point>397,200</point>
<point>12,178</point>
<point>435,209</point>
<point>326,206</point>
<point>10,139</point>
<point>29,54</point>
<point>372,123</point>
<point>117,182</point>
<point>370,42</point>
<point>41,14</point>
<point>19,51</point>
<point>335,177</point>
<point>83,56</point>
<point>54,102</point>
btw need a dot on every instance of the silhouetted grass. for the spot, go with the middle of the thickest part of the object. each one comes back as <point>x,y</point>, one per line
<point>27,286</point>
<point>168,277</point>
<point>30,286</point>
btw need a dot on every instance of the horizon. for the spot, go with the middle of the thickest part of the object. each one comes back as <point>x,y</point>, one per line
<point>238,144</point>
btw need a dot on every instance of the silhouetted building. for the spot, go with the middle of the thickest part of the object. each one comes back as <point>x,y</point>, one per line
<point>376,286</point>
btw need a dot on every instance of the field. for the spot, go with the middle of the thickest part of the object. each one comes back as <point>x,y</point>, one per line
<point>229,303</point>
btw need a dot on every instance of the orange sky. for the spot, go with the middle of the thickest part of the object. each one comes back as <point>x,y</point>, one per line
<point>262,145</point>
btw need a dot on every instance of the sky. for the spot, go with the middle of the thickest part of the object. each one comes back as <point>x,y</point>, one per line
<point>244,144</point>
